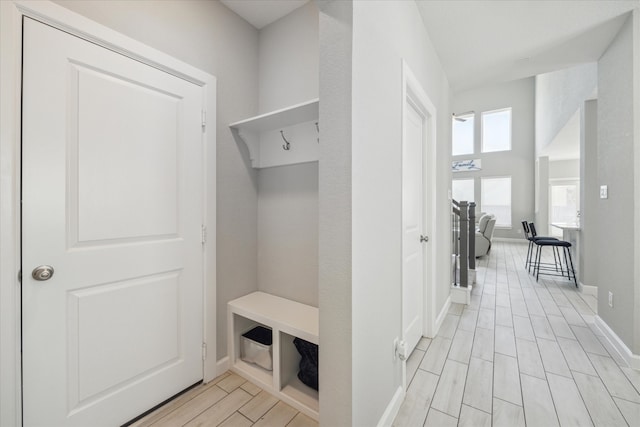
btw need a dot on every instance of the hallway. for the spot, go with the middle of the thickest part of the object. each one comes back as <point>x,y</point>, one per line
<point>522,353</point>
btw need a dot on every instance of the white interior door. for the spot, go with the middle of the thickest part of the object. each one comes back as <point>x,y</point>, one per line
<point>413,224</point>
<point>112,200</point>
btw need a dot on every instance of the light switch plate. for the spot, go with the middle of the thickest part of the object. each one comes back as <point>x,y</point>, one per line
<point>604,192</point>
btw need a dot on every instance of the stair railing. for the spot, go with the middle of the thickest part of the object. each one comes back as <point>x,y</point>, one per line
<point>463,243</point>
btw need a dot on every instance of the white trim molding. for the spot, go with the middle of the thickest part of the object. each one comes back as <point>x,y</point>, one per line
<point>222,366</point>
<point>12,13</point>
<point>510,239</point>
<point>588,289</point>
<point>460,295</point>
<point>632,359</point>
<point>392,409</point>
<point>440,317</point>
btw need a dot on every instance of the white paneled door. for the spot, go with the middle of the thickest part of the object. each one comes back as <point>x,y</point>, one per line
<point>413,226</point>
<point>112,202</point>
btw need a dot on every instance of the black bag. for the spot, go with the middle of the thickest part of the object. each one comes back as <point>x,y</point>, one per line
<point>308,373</point>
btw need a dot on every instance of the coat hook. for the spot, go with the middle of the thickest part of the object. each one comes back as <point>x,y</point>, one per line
<point>286,146</point>
<point>318,130</point>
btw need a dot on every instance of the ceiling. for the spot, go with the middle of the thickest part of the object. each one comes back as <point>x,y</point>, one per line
<point>481,42</point>
<point>485,42</point>
<point>261,13</point>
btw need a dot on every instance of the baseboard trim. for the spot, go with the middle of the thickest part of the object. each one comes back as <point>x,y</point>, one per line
<point>441,316</point>
<point>392,408</point>
<point>461,295</point>
<point>222,366</point>
<point>588,289</point>
<point>509,239</point>
<point>632,359</point>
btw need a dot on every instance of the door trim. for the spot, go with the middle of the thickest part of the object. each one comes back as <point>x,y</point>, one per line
<point>413,92</point>
<point>11,17</point>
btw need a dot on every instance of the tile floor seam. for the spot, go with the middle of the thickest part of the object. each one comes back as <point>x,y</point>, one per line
<point>501,279</point>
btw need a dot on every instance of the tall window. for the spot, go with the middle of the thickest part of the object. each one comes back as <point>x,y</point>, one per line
<point>496,130</point>
<point>496,199</point>
<point>462,189</point>
<point>462,138</point>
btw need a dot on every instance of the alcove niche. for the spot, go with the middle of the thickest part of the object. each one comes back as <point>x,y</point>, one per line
<point>283,142</point>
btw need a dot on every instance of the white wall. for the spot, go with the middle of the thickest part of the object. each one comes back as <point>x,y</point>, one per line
<point>288,232</point>
<point>519,162</point>
<point>564,169</point>
<point>617,81</point>
<point>288,195</point>
<point>335,205</point>
<point>385,33</point>
<point>209,36</point>
<point>589,193</point>
<point>542,196</point>
<point>289,59</point>
<point>360,193</point>
<point>558,95</point>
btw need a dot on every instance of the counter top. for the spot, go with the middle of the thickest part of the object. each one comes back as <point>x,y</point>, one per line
<point>566,226</point>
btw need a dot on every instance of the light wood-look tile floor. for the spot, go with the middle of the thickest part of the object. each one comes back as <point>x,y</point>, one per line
<point>228,401</point>
<point>523,353</point>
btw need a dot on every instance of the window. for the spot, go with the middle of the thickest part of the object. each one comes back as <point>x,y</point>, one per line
<point>462,135</point>
<point>463,189</point>
<point>496,130</point>
<point>564,204</point>
<point>496,199</point>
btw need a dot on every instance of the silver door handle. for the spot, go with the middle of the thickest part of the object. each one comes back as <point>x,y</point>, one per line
<point>42,273</point>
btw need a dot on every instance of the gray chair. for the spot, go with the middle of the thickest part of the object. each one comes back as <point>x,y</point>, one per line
<point>484,234</point>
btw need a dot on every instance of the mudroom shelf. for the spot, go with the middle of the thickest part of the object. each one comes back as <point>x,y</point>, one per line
<point>282,137</point>
<point>287,320</point>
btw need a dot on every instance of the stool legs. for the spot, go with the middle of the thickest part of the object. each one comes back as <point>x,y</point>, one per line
<point>568,262</point>
<point>568,252</point>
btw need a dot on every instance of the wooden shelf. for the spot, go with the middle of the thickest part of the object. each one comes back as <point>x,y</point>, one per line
<point>281,314</point>
<point>287,319</point>
<point>299,392</point>
<point>262,135</point>
<point>285,117</point>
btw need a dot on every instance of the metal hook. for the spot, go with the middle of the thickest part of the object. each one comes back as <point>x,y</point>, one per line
<point>286,146</point>
<point>318,130</point>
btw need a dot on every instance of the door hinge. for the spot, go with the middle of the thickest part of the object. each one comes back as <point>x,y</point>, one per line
<point>20,276</point>
<point>204,234</point>
<point>204,351</point>
<point>204,120</point>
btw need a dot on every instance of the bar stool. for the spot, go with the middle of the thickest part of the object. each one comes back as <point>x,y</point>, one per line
<point>531,235</point>
<point>555,244</point>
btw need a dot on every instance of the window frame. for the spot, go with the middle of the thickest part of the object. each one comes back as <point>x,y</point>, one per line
<point>482,126</point>
<point>482,199</point>
<point>473,181</point>
<point>473,134</point>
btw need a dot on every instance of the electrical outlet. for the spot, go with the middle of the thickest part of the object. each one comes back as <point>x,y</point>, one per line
<point>611,299</point>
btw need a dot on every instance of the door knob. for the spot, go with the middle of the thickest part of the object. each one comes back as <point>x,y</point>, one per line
<point>424,239</point>
<point>42,273</point>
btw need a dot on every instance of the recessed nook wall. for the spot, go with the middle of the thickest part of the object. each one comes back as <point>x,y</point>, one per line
<point>287,212</point>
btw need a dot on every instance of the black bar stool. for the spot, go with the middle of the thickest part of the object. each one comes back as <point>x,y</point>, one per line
<point>531,235</point>
<point>566,246</point>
